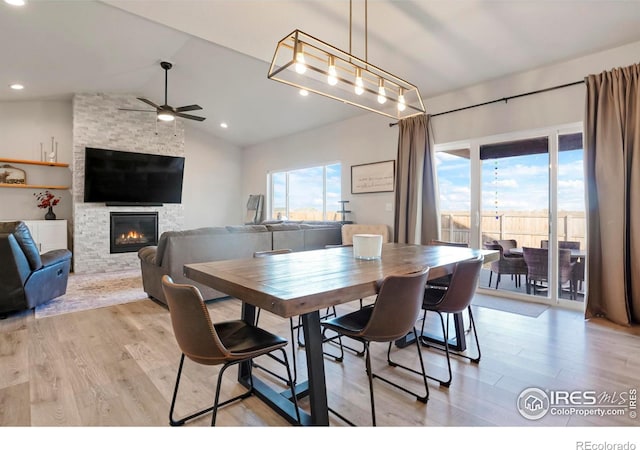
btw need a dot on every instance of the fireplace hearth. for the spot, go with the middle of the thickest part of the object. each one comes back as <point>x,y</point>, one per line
<point>130,231</point>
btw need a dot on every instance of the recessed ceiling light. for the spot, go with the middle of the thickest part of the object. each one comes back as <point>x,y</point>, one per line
<point>15,2</point>
<point>224,125</point>
<point>16,86</point>
<point>304,92</point>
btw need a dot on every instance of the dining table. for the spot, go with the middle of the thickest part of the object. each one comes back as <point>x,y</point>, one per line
<point>305,283</point>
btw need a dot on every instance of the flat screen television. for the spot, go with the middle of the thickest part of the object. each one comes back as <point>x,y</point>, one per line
<point>127,178</point>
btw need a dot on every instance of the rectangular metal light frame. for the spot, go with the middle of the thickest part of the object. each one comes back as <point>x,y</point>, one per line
<point>315,78</point>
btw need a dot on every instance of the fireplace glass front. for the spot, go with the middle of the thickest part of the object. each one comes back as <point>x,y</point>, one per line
<point>130,231</point>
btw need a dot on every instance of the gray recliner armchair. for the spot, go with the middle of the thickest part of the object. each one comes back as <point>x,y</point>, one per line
<point>28,279</point>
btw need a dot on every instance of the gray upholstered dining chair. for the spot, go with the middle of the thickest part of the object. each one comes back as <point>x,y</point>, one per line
<point>391,317</point>
<point>223,343</point>
<point>456,299</point>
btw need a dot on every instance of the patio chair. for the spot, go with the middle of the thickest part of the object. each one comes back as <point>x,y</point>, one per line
<point>513,265</point>
<point>537,260</point>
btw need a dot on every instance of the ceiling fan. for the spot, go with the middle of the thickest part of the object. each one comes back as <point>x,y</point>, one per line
<point>167,112</point>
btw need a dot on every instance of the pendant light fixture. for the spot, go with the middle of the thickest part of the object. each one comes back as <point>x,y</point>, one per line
<point>307,63</point>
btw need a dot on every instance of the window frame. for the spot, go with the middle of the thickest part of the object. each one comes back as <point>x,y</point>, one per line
<point>287,172</point>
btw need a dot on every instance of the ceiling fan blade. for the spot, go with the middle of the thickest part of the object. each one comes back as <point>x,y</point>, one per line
<point>189,116</point>
<point>148,102</point>
<point>141,110</point>
<point>188,108</point>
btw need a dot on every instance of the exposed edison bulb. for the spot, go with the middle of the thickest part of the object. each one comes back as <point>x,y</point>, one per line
<point>359,89</point>
<point>332,78</point>
<point>301,67</point>
<point>382,94</point>
<point>402,105</point>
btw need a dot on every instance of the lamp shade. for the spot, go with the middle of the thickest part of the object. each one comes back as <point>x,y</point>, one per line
<point>358,82</point>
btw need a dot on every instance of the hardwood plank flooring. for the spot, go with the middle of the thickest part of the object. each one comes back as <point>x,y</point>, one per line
<point>116,366</point>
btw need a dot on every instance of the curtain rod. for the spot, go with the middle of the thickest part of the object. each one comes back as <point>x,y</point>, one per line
<point>504,99</point>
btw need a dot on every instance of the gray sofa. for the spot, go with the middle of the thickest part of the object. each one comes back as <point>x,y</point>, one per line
<point>177,248</point>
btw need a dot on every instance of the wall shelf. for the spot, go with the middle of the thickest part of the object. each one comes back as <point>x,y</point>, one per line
<point>33,186</point>
<point>33,163</point>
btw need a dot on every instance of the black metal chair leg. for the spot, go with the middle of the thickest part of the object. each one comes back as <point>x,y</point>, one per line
<point>370,376</point>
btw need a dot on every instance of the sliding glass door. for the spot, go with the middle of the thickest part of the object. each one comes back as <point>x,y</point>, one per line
<point>524,193</point>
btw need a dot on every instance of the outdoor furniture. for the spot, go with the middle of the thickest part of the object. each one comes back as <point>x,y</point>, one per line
<point>507,245</point>
<point>572,245</point>
<point>537,260</point>
<point>513,265</point>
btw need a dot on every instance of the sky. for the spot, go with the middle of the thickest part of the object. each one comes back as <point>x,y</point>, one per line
<point>518,183</point>
<point>306,189</point>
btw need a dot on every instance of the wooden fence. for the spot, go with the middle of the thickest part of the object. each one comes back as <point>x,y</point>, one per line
<point>528,228</point>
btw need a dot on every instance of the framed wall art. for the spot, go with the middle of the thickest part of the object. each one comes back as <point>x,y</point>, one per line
<point>373,177</point>
<point>12,175</point>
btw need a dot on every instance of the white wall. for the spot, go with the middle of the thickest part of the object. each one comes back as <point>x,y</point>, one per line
<point>212,194</point>
<point>526,113</point>
<point>368,138</point>
<point>23,126</point>
<point>364,139</point>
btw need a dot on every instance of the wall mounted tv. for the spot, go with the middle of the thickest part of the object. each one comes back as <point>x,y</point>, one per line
<point>120,178</point>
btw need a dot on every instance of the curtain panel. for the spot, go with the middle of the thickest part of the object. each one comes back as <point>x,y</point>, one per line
<point>416,214</point>
<point>612,151</point>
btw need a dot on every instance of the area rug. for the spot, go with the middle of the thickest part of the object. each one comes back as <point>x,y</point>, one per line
<point>508,305</point>
<point>96,290</point>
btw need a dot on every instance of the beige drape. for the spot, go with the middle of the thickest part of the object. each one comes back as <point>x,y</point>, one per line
<point>612,151</point>
<point>416,216</point>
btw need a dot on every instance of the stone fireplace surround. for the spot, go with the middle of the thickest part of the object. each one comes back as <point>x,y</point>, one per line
<point>97,122</point>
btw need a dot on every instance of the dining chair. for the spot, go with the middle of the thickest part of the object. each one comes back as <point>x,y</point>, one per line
<point>392,316</point>
<point>444,281</point>
<point>223,343</point>
<point>456,299</point>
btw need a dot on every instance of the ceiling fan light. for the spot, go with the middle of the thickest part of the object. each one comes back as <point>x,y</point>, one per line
<point>166,116</point>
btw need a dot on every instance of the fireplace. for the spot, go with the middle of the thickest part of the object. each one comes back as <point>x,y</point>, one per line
<point>130,231</point>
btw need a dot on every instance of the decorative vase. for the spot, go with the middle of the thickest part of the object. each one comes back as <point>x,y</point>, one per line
<point>50,215</point>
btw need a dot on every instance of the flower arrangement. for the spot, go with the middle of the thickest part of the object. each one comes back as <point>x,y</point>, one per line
<point>46,199</point>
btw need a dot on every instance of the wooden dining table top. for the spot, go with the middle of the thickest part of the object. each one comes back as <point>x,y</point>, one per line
<point>296,283</point>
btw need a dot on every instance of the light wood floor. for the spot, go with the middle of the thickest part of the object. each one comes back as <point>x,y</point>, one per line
<point>116,366</point>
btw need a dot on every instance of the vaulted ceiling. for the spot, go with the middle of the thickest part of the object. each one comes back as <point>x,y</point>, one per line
<point>221,50</point>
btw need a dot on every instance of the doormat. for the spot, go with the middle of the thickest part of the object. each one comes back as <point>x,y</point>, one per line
<point>528,309</point>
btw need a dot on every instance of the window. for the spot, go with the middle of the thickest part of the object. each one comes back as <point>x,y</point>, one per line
<point>311,193</point>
